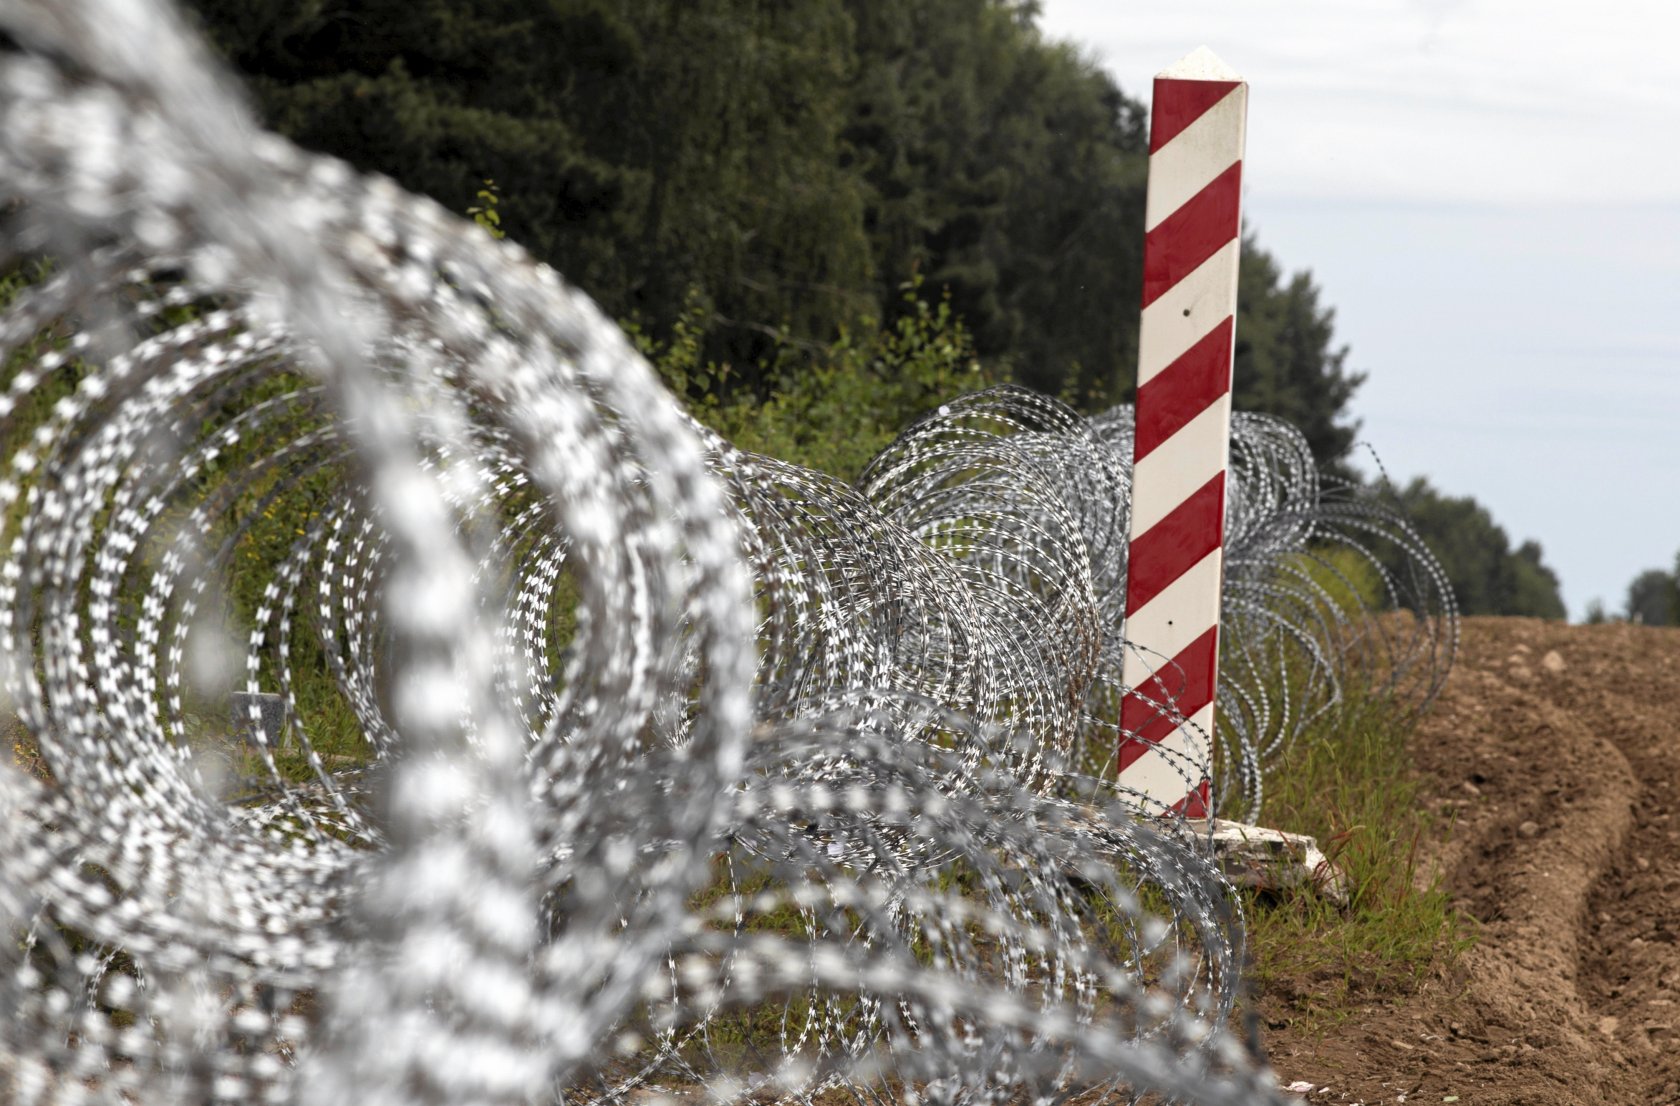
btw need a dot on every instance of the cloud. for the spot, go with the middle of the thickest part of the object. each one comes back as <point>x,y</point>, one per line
<point>1537,101</point>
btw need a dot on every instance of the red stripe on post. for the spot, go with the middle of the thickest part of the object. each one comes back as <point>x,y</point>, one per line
<point>1169,697</point>
<point>1192,234</point>
<point>1179,103</point>
<point>1174,545</point>
<point>1195,804</point>
<point>1184,389</point>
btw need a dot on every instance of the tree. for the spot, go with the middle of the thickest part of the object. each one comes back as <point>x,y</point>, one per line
<point>1487,576</point>
<point>1653,597</point>
<point>442,96</point>
<point>1534,586</point>
<point>1010,171</point>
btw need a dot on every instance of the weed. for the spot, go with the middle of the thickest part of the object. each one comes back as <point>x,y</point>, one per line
<point>1345,782</point>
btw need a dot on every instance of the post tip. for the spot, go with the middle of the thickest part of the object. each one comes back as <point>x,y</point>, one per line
<point>1200,64</point>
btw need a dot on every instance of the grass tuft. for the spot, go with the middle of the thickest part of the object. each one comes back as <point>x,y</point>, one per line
<point>1347,783</point>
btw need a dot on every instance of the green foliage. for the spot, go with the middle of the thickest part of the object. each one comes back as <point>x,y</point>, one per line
<point>834,408</point>
<point>783,165</point>
<point>1011,171</point>
<point>1347,575</point>
<point>646,148</point>
<point>1487,575</point>
<point>1534,586</point>
<point>485,213</point>
<point>1653,598</point>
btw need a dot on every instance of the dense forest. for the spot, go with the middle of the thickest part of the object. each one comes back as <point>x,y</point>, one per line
<point>786,166</point>
<point>752,186</point>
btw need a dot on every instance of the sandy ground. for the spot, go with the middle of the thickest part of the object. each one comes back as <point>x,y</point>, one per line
<point>1558,750</point>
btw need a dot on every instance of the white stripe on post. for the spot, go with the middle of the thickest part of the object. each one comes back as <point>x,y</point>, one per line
<point>1158,622</point>
<point>1181,464</point>
<point>1172,323</point>
<point>1190,162</point>
<point>1193,228</point>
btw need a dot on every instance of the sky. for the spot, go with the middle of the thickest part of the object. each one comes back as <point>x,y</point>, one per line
<point>1487,192</point>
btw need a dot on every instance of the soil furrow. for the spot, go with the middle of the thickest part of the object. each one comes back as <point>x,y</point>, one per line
<point>1554,755</point>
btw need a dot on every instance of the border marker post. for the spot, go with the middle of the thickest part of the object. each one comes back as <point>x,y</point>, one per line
<point>1193,234</point>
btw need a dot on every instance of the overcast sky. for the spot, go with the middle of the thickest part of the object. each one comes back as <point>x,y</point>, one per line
<point>1488,194</point>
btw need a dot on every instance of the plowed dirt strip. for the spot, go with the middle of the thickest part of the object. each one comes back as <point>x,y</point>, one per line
<point>1555,750</point>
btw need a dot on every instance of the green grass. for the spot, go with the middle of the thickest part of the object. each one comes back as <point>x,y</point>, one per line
<point>1347,783</point>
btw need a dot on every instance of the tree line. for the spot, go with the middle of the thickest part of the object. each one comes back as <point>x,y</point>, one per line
<point>755,183</point>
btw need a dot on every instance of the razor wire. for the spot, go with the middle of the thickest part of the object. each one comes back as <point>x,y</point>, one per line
<point>640,764</point>
<point>1328,592</point>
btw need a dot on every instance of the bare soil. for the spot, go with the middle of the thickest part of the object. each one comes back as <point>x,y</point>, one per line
<point>1554,752</point>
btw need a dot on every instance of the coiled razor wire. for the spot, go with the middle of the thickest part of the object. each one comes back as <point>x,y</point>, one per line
<point>609,760</point>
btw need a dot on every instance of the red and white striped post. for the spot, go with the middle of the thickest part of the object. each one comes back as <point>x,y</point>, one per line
<point>1175,567</point>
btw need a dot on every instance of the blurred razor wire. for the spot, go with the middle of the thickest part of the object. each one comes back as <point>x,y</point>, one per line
<point>425,709</point>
